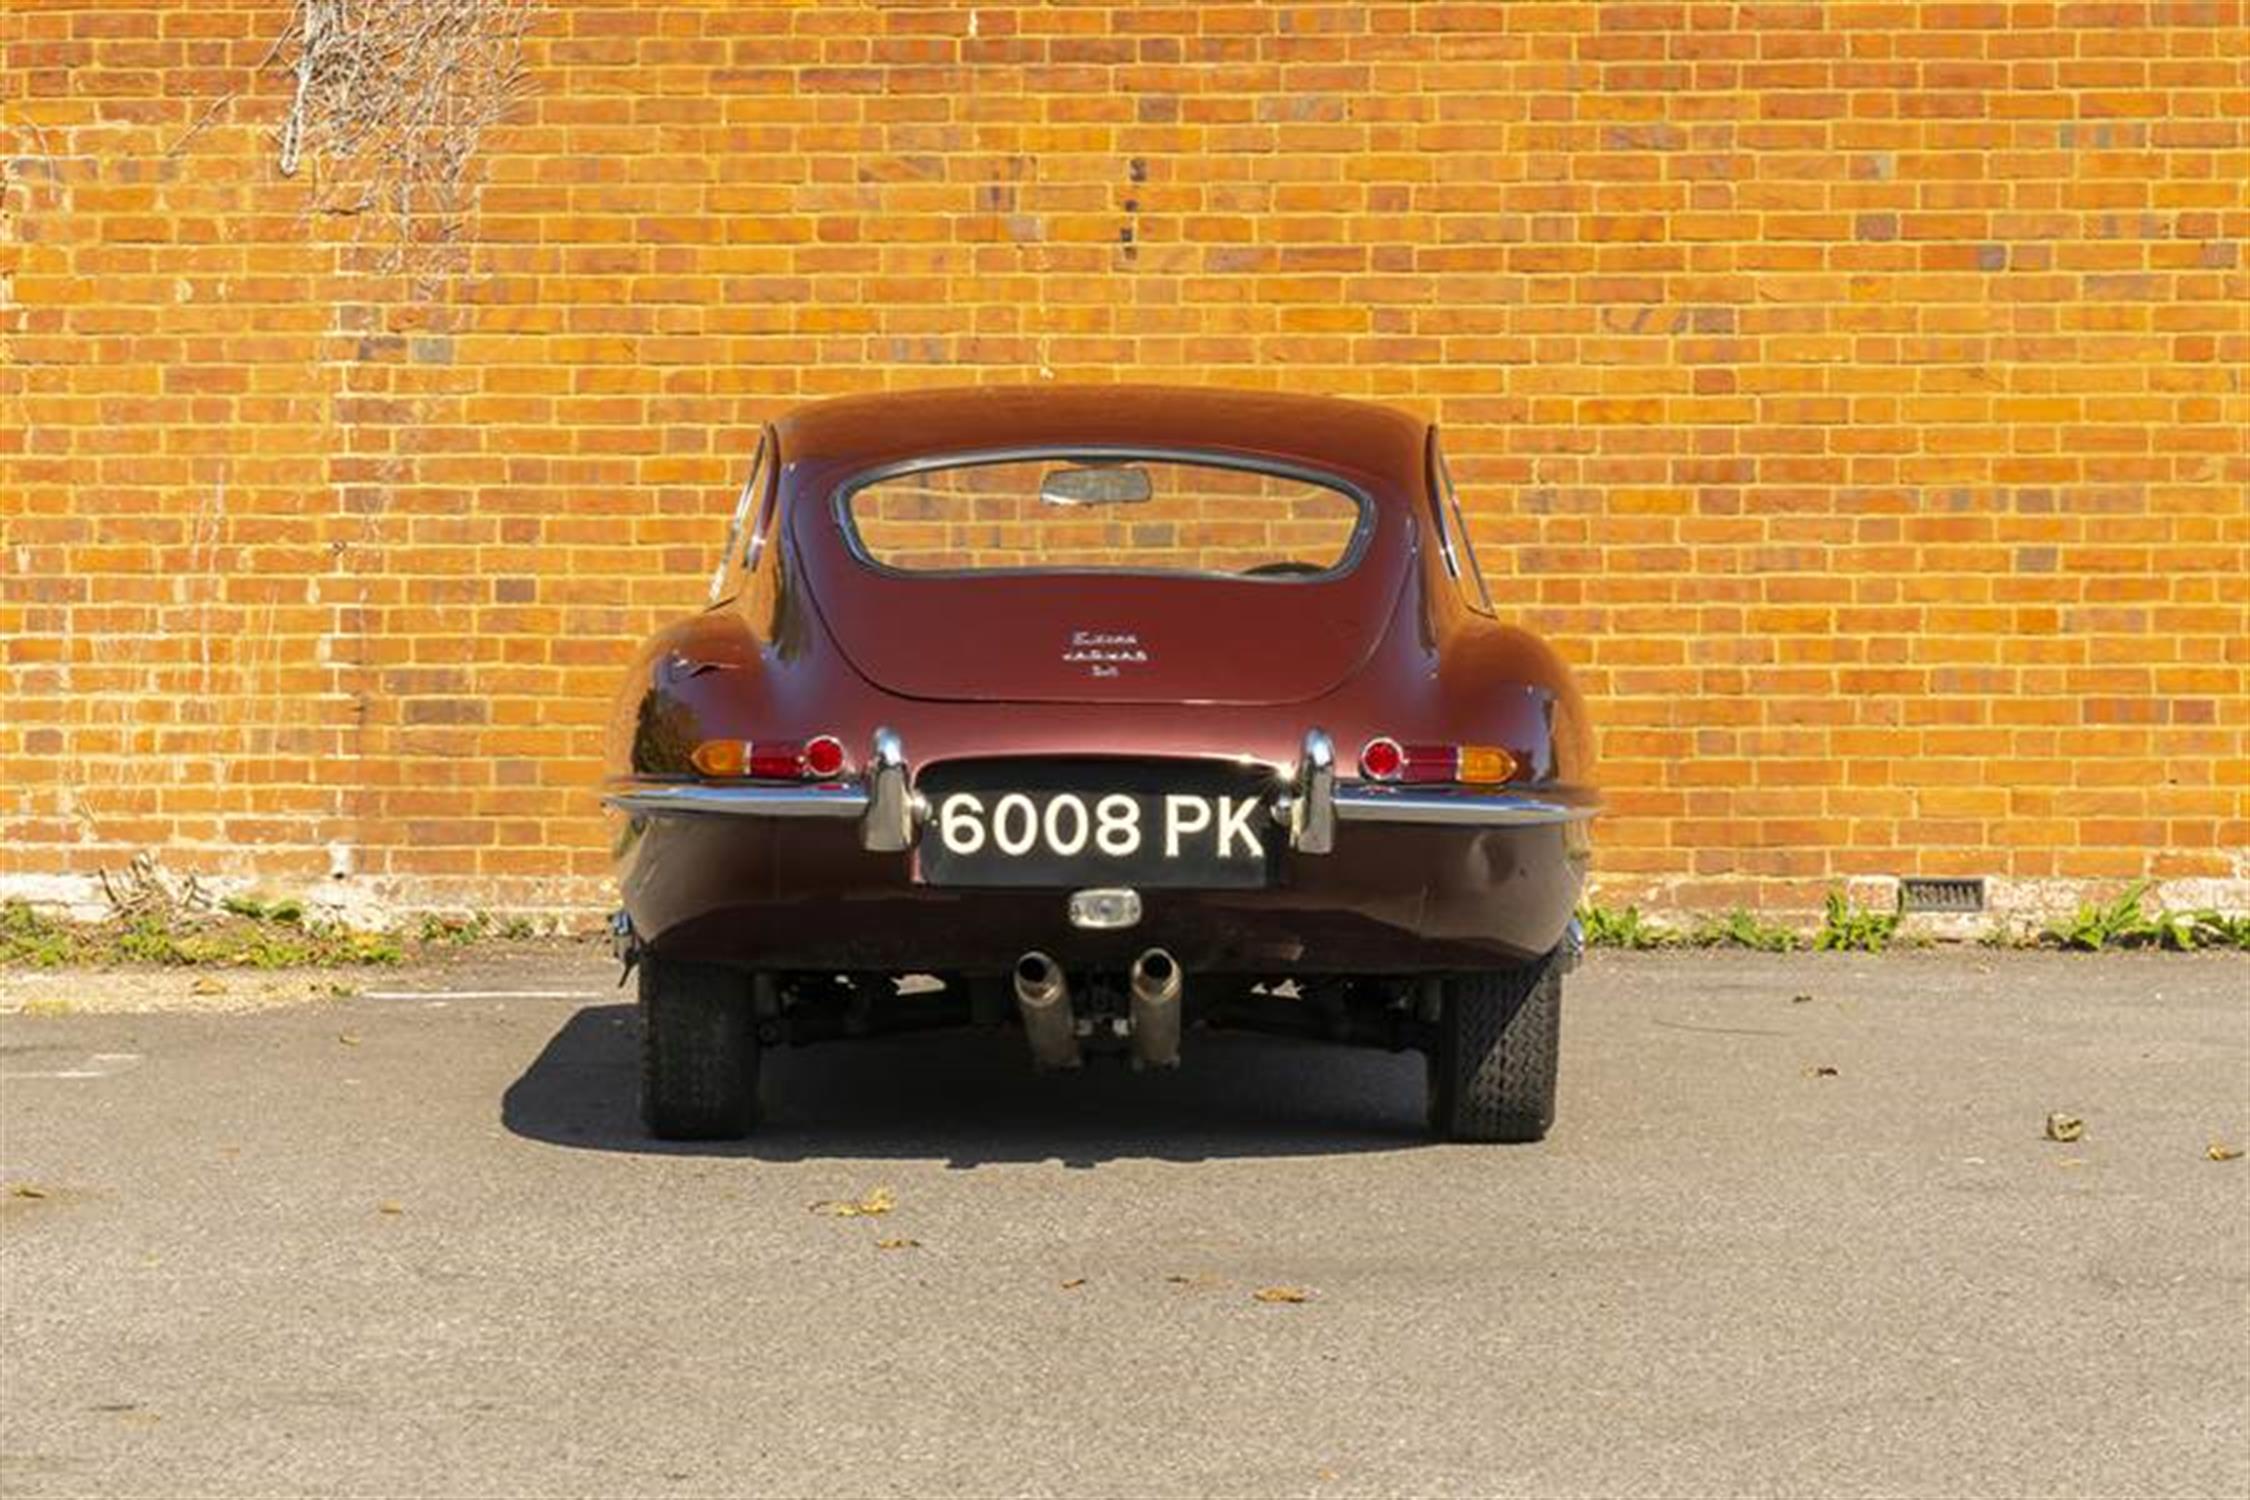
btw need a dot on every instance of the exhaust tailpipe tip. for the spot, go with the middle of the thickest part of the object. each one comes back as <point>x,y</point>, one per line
<point>1039,979</point>
<point>1156,985</point>
<point>1043,1003</point>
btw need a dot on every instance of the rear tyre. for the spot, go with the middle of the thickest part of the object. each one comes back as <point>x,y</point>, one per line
<point>699,1052</point>
<point>1492,1070</point>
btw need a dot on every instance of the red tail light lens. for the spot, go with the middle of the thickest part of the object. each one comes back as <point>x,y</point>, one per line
<point>1385,759</point>
<point>1382,760</point>
<point>776,760</point>
<point>824,756</point>
<point>815,759</point>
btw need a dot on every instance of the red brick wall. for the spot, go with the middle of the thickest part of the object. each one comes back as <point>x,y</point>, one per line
<point>1856,391</point>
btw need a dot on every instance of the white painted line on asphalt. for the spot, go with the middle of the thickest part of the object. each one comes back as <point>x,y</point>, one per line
<point>98,1065</point>
<point>481,995</point>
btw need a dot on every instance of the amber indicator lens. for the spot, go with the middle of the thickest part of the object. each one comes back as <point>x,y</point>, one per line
<point>1385,759</point>
<point>771,760</point>
<point>1484,765</point>
<point>720,757</point>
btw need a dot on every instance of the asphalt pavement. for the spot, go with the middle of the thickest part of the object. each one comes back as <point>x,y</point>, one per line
<point>1798,1231</point>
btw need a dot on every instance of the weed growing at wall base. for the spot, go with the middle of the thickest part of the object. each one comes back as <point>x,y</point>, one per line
<point>1605,928</point>
<point>247,934</point>
<point>1845,928</point>
<point>2122,923</point>
<point>29,940</point>
<point>1739,929</point>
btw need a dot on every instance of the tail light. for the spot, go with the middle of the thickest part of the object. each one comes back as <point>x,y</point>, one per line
<point>1385,759</point>
<point>815,759</point>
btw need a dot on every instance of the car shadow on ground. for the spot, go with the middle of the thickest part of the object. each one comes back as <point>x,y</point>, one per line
<point>970,1098</point>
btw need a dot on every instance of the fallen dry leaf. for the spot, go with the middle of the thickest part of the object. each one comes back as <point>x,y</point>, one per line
<point>1281,1294</point>
<point>27,1190</point>
<point>2221,1151</point>
<point>1202,1281</point>
<point>208,984</point>
<point>1074,1283</point>
<point>348,1038</point>
<point>2062,1127</point>
<point>389,1207</point>
<point>2072,1161</point>
<point>877,1201</point>
<point>901,1243</point>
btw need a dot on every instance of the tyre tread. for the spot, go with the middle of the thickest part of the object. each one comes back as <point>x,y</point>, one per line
<point>1492,1072</point>
<point>699,1052</point>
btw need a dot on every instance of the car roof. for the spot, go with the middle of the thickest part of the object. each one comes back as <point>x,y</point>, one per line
<point>1322,432</point>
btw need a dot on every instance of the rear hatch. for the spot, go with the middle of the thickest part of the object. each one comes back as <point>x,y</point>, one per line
<point>1093,638</point>
<point>1106,577</point>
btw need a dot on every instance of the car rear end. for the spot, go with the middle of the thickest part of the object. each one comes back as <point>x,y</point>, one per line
<point>1152,721</point>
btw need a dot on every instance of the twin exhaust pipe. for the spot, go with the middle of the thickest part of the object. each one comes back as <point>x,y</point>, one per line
<point>1155,989</point>
<point>1043,1000</point>
<point>1052,1026</point>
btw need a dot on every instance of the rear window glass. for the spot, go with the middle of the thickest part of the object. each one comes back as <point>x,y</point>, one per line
<point>1105,514</point>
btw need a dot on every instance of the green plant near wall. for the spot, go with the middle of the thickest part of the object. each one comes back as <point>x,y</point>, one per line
<point>1845,928</point>
<point>1739,929</point>
<point>1606,928</point>
<point>245,933</point>
<point>445,930</point>
<point>2099,925</point>
<point>2218,930</point>
<point>29,939</point>
<point>2122,923</point>
<point>1609,928</point>
<point>287,909</point>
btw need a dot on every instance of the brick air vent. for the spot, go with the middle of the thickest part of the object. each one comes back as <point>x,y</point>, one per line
<point>1940,895</point>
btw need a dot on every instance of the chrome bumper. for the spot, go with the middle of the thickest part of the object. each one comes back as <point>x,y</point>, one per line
<point>827,800</point>
<point>890,816</point>
<point>1384,804</point>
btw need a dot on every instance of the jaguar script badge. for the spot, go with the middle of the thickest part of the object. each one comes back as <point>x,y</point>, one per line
<point>1104,653</point>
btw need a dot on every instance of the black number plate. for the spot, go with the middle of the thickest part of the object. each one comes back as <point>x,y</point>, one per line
<point>1072,824</point>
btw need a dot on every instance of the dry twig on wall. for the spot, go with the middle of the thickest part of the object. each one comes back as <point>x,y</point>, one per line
<point>389,102</point>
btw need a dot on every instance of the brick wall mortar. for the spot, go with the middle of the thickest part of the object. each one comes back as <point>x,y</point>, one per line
<point>1856,393</point>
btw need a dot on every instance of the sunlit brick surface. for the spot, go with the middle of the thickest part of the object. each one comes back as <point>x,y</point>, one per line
<point>1856,392</point>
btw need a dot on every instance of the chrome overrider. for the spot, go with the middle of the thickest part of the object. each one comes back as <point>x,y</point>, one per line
<point>890,815</point>
<point>891,818</point>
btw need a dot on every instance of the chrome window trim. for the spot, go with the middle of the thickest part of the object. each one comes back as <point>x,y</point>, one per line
<point>1445,499</point>
<point>762,527</point>
<point>1355,548</point>
<point>752,548</point>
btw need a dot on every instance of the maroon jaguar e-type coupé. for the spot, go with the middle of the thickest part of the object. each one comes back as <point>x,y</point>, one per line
<point>1107,713</point>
